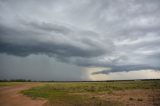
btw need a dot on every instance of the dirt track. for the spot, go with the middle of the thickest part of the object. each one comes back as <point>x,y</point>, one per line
<point>10,96</point>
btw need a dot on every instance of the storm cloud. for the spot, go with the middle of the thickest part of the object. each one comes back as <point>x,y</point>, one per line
<point>126,68</point>
<point>123,35</point>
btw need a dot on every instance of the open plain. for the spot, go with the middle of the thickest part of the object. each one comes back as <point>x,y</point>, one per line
<point>116,93</point>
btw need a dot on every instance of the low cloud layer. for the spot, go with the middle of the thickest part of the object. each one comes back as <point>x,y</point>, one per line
<point>123,35</point>
<point>127,68</point>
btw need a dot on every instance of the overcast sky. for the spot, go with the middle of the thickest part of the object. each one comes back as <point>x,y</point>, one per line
<point>79,39</point>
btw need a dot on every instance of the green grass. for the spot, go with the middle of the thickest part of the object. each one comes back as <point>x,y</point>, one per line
<point>102,86</point>
<point>62,96</point>
<point>9,83</point>
<point>67,93</point>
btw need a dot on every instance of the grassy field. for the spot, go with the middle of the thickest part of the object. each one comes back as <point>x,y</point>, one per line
<point>93,93</point>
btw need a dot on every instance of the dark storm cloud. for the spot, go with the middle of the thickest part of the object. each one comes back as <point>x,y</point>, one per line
<point>14,42</point>
<point>119,34</point>
<point>127,68</point>
<point>49,27</point>
<point>38,67</point>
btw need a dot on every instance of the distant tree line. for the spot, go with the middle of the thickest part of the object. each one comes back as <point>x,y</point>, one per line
<point>23,80</point>
<point>28,80</point>
<point>16,80</point>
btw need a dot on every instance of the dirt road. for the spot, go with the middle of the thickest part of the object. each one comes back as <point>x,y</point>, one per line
<point>10,96</point>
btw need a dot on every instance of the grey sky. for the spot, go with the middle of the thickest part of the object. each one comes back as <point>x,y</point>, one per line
<point>123,35</point>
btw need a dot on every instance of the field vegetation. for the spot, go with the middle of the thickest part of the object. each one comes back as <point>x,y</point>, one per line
<point>90,93</point>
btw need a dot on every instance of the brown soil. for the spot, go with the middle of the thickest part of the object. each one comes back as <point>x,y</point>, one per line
<point>134,97</point>
<point>139,97</point>
<point>10,96</point>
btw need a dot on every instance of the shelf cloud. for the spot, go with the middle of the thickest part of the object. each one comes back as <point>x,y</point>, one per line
<point>123,35</point>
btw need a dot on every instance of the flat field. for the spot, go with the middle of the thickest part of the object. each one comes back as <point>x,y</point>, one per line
<point>117,93</point>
